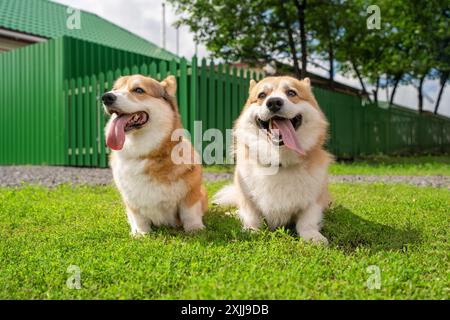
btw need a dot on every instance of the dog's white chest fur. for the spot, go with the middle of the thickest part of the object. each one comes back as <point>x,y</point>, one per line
<point>282,196</point>
<point>156,201</point>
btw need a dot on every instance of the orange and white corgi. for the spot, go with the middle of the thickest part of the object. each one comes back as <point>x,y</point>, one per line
<point>282,129</point>
<point>156,191</point>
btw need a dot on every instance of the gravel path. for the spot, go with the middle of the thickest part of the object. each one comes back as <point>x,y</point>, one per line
<point>12,176</point>
<point>419,181</point>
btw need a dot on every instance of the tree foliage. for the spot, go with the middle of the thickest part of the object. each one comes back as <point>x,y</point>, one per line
<point>411,45</point>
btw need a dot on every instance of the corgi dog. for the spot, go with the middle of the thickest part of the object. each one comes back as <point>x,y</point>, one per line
<point>155,189</point>
<point>281,165</point>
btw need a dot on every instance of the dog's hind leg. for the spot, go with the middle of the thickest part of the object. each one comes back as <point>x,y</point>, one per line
<point>191,216</point>
<point>139,225</point>
<point>192,207</point>
<point>309,223</point>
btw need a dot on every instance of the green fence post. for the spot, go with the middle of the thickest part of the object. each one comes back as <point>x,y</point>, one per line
<point>94,120</point>
<point>242,93</point>
<point>234,95</point>
<point>247,85</point>
<point>162,70</point>
<point>87,123</point>
<point>51,113</point>
<point>153,71</point>
<point>173,69</point>
<point>102,144</point>
<point>80,140</point>
<point>193,97</point>
<point>67,122</point>
<point>143,70</point>
<point>183,93</point>
<point>110,78</point>
<point>228,107</point>
<point>117,74</point>
<point>203,94</point>
<point>3,102</point>
<point>220,113</point>
<point>21,133</point>
<point>4,98</point>
<point>73,123</point>
<point>212,107</point>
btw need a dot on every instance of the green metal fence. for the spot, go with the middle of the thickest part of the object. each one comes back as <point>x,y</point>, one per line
<point>33,100</point>
<point>215,95</point>
<point>50,111</point>
<point>83,58</point>
<point>358,129</point>
<point>32,105</point>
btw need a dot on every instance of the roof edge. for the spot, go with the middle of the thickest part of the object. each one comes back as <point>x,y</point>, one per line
<point>117,25</point>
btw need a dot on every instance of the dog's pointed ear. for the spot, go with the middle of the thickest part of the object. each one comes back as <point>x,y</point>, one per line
<point>170,85</point>
<point>253,83</point>
<point>307,81</point>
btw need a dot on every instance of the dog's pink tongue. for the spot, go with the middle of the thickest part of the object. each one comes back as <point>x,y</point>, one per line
<point>288,134</point>
<point>115,138</point>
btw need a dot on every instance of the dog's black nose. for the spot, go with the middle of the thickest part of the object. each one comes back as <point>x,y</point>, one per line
<point>274,104</point>
<point>109,98</point>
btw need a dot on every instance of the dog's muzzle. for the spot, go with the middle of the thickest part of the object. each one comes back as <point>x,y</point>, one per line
<point>109,99</point>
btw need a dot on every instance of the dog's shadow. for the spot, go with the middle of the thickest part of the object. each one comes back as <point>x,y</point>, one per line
<point>222,227</point>
<point>348,231</point>
<point>344,229</point>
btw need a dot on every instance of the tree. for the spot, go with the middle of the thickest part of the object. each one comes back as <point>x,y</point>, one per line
<point>355,49</point>
<point>326,30</point>
<point>411,45</point>
<point>232,30</point>
<point>402,51</point>
<point>286,23</point>
<point>257,31</point>
<point>442,50</point>
<point>423,30</point>
<point>443,81</point>
<point>300,5</point>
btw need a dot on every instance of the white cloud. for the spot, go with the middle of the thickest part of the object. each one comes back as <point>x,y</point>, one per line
<point>143,17</point>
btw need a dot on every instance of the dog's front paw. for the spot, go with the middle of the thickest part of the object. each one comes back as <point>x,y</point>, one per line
<point>139,234</point>
<point>314,236</point>
<point>194,227</point>
<point>252,229</point>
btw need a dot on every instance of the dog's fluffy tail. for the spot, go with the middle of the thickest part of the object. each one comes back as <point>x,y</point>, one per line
<point>227,196</point>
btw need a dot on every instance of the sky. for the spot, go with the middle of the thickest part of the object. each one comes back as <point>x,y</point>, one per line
<point>144,18</point>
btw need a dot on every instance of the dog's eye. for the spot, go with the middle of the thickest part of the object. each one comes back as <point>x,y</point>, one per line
<point>291,93</point>
<point>262,95</point>
<point>139,90</point>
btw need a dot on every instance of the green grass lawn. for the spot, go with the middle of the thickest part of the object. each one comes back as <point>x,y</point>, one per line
<point>402,230</point>
<point>381,165</point>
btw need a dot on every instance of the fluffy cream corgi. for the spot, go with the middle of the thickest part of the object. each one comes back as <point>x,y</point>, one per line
<point>281,166</point>
<point>156,191</point>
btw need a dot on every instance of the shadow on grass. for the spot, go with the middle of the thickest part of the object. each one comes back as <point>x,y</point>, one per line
<point>348,231</point>
<point>343,228</point>
<point>221,229</point>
